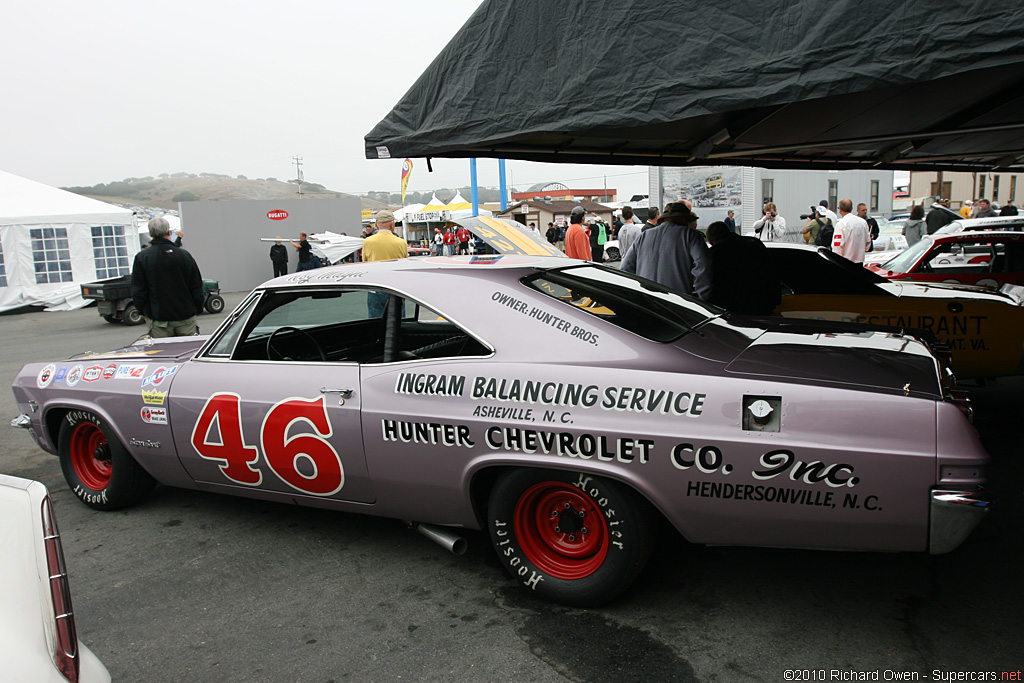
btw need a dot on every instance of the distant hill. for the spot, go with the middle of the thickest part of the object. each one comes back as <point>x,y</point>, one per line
<point>166,190</point>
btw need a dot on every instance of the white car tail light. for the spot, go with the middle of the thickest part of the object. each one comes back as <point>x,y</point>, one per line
<point>65,645</point>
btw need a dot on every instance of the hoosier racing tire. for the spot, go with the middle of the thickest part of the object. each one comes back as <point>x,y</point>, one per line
<point>571,538</point>
<point>98,469</point>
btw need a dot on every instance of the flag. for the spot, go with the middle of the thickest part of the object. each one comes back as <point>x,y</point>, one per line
<point>406,172</point>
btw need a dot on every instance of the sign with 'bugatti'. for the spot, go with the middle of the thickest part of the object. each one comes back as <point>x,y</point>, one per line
<point>277,215</point>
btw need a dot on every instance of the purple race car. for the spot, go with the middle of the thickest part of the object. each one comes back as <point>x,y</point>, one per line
<point>563,406</point>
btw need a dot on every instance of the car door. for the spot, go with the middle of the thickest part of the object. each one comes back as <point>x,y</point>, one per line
<point>273,404</point>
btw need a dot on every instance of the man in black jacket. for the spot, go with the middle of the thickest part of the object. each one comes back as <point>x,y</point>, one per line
<point>279,257</point>
<point>937,218</point>
<point>167,287</point>
<point>744,278</point>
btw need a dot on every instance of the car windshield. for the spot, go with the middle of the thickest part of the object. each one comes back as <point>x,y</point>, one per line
<point>627,301</point>
<point>905,260</point>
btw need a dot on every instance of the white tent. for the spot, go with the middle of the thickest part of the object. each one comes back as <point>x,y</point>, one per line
<point>408,209</point>
<point>52,241</point>
<point>460,208</point>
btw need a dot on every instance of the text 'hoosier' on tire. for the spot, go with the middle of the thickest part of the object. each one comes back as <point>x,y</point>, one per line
<point>96,465</point>
<point>570,537</point>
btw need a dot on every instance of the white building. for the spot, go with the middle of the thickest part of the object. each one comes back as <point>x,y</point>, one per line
<point>714,190</point>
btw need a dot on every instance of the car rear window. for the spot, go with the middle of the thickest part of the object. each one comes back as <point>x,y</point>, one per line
<point>804,271</point>
<point>634,304</point>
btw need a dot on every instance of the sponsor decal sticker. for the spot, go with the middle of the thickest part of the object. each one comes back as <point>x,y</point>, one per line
<point>74,375</point>
<point>109,371</point>
<point>143,443</point>
<point>131,371</point>
<point>92,373</point>
<point>46,376</point>
<point>159,376</point>
<point>62,372</point>
<point>277,215</point>
<point>156,416</point>
<point>153,397</point>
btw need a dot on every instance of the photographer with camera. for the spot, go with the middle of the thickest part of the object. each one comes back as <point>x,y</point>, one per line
<point>818,230</point>
<point>772,226</point>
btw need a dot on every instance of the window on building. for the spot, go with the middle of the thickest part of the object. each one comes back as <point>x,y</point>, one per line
<point>767,190</point>
<point>3,268</point>
<point>833,194</point>
<point>995,189</point>
<point>981,186</point>
<point>873,207</point>
<point>50,255</point>
<point>109,251</point>
<point>1013,188</point>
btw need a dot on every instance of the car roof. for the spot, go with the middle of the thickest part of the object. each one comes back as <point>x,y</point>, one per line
<point>343,272</point>
<point>990,223</point>
<point>979,236</point>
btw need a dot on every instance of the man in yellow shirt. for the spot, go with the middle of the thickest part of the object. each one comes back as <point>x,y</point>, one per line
<point>383,245</point>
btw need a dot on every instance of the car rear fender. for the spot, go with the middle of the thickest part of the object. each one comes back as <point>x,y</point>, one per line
<point>482,473</point>
<point>157,457</point>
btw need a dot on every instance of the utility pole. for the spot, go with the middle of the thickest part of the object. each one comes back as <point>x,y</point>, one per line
<point>297,160</point>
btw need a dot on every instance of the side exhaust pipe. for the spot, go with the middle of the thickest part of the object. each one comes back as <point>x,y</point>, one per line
<point>442,536</point>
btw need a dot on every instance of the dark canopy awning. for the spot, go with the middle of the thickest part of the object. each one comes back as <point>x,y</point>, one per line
<point>772,83</point>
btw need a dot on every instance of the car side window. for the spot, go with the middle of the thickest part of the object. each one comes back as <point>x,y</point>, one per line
<point>334,325</point>
<point>348,325</point>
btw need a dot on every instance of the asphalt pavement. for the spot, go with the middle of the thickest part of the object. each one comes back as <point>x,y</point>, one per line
<point>191,586</point>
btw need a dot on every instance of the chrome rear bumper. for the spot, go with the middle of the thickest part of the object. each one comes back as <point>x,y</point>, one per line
<point>954,514</point>
<point>23,421</point>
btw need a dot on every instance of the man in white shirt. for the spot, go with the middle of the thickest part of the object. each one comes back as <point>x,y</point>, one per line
<point>851,239</point>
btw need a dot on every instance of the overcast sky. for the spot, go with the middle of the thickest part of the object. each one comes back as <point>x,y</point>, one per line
<point>110,89</point>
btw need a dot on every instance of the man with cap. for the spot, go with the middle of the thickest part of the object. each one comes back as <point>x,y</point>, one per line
<point>829,212</point>
<point>384,245</point>
<point>598,237</point>
<point>577,242</point>
<point>674,254</point>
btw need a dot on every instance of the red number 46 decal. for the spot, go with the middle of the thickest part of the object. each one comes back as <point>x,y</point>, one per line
<point>283,453</point>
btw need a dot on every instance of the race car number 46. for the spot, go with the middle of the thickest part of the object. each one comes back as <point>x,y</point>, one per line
<point>281,452</point>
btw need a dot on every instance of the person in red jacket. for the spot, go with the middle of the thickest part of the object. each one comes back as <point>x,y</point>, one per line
<point>449,242</point>
<point>577,241</point>
<point>463,236</point>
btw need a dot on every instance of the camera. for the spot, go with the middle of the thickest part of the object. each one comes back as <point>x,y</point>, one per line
<point>805,216</point>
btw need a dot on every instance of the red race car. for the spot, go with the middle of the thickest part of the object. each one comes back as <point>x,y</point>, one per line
<point>987,258</point>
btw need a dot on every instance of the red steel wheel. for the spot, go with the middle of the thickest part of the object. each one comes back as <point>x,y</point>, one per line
<point>98,469</point>
<point>561,530</point>
<point>571,537</point>
<point>90,455</point>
